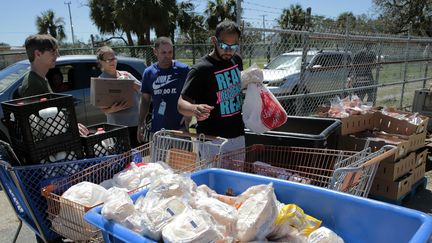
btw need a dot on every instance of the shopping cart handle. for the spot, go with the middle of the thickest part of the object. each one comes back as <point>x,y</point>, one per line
<point>379,158</point>
<point>188,134</point>
<point>46,191</point>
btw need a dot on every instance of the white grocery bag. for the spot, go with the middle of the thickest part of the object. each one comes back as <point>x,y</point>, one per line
<point>261,110</point>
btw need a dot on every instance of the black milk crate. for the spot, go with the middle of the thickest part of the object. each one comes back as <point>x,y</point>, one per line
<point>95,145</point>
<point>29,130</point>
<point>60,152</point>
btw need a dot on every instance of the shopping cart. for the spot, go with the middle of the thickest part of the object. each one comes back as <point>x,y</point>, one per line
<point>22,186</point>
<point>346,171</point>
<point>177,149</point>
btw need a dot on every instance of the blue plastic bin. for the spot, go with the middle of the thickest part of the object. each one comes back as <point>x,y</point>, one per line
<point>355,219</point>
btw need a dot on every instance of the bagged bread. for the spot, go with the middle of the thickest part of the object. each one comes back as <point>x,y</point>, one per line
<point>118,205</point>
<point>86,193</point>
<point>193,225</point>
<point>256,215</point>
<point>224,214</point>
<point>324,235</point>
<point>156,213</point>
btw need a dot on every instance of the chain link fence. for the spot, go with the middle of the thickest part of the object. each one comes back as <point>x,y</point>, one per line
<point>306,69</point>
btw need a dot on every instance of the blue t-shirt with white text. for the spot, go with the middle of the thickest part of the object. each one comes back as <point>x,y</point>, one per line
<point>165,86</point>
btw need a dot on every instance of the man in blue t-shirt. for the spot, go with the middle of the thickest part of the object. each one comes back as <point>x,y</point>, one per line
<point>162,83</point>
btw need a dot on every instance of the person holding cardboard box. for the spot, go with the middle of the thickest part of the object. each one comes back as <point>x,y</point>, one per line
<point>162,83</point>
<point>120,113</point>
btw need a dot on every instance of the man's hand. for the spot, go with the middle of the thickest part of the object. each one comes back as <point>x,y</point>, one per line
<point>83,131</point>
<point>141,133</point>
<point>202,111</point>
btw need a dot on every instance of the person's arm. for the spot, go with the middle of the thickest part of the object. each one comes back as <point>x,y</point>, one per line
<point>144,110</point>
<point>115,107</point>
<point>188,109</point>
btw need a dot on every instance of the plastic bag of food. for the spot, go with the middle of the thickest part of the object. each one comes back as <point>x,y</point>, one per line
<point>324,235</point>
<point>295,216</point>
<point>172,185</point>
<point>253,74</point>
<point>224,214</point>
<point>256,215</point>
<point>156,213</point>
<point>86,193</point>
<point>193,225</point>
<point>118,205</point>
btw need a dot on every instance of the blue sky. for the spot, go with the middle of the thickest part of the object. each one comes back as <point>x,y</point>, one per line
<point>18,17</point>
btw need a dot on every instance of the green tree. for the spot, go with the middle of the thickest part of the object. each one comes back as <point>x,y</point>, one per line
<point>191,25</point>
<point>398,16</point>
<point>292,18</point>
<point>48,23</point>
<point>345,17</point>
<point>218,10</point>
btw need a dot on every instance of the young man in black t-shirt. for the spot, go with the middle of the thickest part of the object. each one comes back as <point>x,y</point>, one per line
<point>212,92</point>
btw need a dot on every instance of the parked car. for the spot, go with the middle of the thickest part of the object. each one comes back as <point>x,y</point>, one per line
<point>77,71</point>
<point>325,71</point>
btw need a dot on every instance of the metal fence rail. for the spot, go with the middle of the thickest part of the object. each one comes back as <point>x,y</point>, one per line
<point>384,70</point>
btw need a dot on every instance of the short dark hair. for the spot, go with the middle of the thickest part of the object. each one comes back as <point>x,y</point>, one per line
<point>102,50</point>
<point>162,40</point>
<point>227,26</point>
<point>41,43</point>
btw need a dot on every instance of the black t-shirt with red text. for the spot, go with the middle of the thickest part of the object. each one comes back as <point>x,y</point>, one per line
<point>217,83</point>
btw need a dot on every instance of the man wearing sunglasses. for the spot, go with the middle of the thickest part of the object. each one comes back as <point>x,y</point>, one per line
<point>212,92</point>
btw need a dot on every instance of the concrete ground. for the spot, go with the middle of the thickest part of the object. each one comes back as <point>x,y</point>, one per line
<point>421,201</point>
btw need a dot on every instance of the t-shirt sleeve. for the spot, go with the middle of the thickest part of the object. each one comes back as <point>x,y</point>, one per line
<point>239,61</point>
<point>191,87</point>
<point>146,83</point>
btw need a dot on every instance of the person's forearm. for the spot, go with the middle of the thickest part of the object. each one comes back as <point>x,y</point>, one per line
<point>185,107</point>
<point>144,109</point>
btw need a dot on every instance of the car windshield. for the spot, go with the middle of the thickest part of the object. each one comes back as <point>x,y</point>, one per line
<point>285,62</point>
<point>12,73</point>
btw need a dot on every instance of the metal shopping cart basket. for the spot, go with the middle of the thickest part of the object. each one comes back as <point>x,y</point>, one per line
<point>179,150</point>
<point>347,171</point>
<point>22,186</point>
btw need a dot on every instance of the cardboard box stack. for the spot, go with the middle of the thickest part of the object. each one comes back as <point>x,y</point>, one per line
<point>396,175</point>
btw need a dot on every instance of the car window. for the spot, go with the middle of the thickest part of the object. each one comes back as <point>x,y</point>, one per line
<point>77,75</point>
<point>12,73</point>
<point>131,70</point>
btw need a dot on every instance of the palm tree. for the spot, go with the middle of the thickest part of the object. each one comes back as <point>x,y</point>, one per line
<point>219,10</point>
<point>47,23</point>
<point>292,18</point>
<point>342,19</point>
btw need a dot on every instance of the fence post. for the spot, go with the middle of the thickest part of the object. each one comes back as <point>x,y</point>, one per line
<point>378,68</point>
<point>427,50</point>
<point>405,67</point>
<point>299,102</point>
<point>345,58</point>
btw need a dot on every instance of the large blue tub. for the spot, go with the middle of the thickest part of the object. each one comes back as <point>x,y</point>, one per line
<point>355,219</point>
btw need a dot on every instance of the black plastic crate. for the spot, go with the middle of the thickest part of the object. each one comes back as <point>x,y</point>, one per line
<point>27,127</point>
<point>60,152</point>
<point>96,145</point>
<point>300,131</point>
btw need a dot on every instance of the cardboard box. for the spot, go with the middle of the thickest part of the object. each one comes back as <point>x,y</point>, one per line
<point>418,173</point>
<point>375,120</point>
<point>421,157</point>
<point>104,92</point>
<point>391,124</point>
<point>391,189</point>
<point>390,170</point>
<point>357,142</point>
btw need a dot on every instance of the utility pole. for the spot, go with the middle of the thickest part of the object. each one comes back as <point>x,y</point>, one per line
<point>239,11</point>
<point>70,18</point>
<point>263,15</point>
